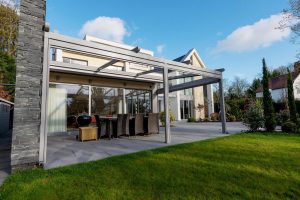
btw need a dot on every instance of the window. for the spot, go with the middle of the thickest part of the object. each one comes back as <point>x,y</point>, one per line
<point>75,61</point>
<point>53,54</point>
<point>138,101</point>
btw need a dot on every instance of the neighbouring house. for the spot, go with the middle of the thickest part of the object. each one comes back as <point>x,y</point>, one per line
<point>278,85</point>
<point>6,116</point>
<point>59,78</point>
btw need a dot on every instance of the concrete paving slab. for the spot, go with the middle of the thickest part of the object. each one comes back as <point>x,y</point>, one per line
<point>65,150</point>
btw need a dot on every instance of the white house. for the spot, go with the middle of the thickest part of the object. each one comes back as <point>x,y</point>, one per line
<point>278,85</point>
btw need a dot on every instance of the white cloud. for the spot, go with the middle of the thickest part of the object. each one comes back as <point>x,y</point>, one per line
<point>260,34</point>
<point>13,4</point>
<point>110,28</point>
<point>160,48</point>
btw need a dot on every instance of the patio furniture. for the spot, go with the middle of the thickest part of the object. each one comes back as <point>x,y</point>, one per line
<point>88,133</point>
<point>123,125</point>
<point>101,126</point>
<point>109,125</point>
<point>84,120</point>
<point>119,125</point>
<point>137,125</point>
<point>153,123</point>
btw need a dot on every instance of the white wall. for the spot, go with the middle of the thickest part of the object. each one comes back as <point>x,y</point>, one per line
<point>297,88</point>
<point>277,95</point>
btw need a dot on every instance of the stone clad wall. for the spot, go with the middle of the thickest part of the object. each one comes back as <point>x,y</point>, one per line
<point>27,112</point>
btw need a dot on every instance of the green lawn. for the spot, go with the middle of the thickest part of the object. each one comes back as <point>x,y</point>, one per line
<point>245,166</point>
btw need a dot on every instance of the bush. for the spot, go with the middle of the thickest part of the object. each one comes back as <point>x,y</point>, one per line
<point>282,117</point>
<point>289,127</point>
<point>206,119</point>
<point>191,119</point>
<point>162,117</point>
<point>254,118</point>
<point>231,118</point>
<point>215,117</point>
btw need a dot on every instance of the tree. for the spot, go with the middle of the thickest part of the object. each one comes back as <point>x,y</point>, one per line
<point>238,88</point>
<point>251,92</point>
<point>291,99</point>
<point>7,71</point>
<point>9,23</point>
<point>270,122</point>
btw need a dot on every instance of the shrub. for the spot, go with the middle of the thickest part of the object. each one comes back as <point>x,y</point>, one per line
<point>206,119</point>
<point>231,118</point>
<point>270,122</point>
<point>191,119</point>
<point>289,127</point>
<point>162,117</point>
<point>215,117</point>
<point>254,118</point>
<point>282,117</point>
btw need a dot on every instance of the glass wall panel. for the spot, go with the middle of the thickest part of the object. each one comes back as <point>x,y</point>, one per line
<point>106,101</point>
<point>138,101</point>
<point>64,103</point>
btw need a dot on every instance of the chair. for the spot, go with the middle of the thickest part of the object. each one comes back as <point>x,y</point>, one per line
<point>119,125</point>
<point>101,126</point>
<point>138,124</point>
<point>153,123</point>
<point>125,125</point>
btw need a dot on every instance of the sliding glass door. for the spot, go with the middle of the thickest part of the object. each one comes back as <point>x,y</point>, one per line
<point>68,101</point>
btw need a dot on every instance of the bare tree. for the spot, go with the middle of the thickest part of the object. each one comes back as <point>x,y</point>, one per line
<point>238,87</point>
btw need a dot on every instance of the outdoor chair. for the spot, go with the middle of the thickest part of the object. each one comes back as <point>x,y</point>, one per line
<point>101,126</point>
<point>125,125</point>
<point>137,124</point>
<point>153,123</point>
<point>120,125</point>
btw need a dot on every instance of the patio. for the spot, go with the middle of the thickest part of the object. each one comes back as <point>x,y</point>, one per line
<point>65,150</point>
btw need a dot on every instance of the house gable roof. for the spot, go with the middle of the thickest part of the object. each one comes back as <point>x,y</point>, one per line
<point>278,82</point>
<point>186,57</point>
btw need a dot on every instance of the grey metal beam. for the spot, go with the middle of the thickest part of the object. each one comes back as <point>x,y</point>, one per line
<point>96,49</point>
<point>110,63</point>
<point>192,84</point>
<point>222,107</point>
<point>114,61</point>
<point>166,103</point>
<point>182,76</point>
<point>156,70</point>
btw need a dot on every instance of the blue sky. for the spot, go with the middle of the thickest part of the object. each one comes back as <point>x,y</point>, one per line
<point>227,34</point>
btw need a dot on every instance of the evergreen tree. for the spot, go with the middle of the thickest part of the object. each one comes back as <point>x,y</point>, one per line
<point>270,122</point>
<point>291,99</point>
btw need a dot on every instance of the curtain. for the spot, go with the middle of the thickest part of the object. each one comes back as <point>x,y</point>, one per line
<point>57,110</point>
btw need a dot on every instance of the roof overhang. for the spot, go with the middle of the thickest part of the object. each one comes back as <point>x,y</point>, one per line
<point>55,40</point>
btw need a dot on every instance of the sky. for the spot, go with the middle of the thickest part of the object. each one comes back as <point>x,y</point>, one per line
<point>231,34</point>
